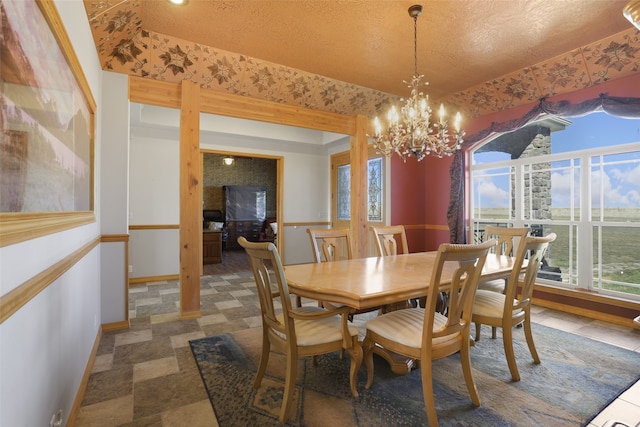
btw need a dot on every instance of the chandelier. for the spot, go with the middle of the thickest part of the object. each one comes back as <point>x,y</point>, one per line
<point>410,131</point>
<point>632,12</point>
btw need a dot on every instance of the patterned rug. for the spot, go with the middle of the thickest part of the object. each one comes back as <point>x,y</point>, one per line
<point>577,377</point>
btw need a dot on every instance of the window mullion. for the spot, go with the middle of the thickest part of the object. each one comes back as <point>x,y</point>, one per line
<point>584,239</point>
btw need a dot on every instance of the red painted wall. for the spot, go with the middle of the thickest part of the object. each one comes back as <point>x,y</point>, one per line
<point>420,190</point>
<point>420,198</point>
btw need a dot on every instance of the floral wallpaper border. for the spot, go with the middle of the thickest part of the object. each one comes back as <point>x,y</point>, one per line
<point>124,46</point>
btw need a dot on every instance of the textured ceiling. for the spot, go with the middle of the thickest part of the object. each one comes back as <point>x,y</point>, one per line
<point>461,43</point>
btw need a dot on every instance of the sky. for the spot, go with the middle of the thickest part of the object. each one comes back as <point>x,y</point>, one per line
<point>616,184</point>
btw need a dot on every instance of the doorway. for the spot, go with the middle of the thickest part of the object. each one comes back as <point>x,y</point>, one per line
<point>220,169</point>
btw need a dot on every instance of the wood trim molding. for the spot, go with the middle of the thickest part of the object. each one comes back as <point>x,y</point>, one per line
<point>154,92</point>
<point>16,228</point>
<point>138,280</point>
<point>77,402</point>
<point>306,224</point>
<point>226,104</point>
<point>166,94</point>
<point>583,303</point>
<point>426,227</point>
<point>111,238</point>
<point>155,227</point>
<point>15,299</point>
<point>115,326</point>
<point>192,100</point>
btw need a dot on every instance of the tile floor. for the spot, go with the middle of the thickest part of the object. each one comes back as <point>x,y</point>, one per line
<point>146,375</point>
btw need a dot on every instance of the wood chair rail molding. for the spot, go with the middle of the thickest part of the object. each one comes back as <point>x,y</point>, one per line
<point>18,297</point>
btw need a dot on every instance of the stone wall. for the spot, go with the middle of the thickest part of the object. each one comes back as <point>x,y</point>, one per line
<point>537,181</point>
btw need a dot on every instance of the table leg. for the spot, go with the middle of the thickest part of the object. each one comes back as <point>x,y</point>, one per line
<point>400,365</point>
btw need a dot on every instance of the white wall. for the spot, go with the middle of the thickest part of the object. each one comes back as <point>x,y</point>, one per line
<point>45,346</point>
<point>114,172</point>
<point>155,198</point>
<point>306,189</point>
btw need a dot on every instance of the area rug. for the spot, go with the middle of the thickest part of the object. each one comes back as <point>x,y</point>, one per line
<point>577,377</point>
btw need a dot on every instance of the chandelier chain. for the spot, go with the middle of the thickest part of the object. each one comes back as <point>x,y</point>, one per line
<point>415,45</point>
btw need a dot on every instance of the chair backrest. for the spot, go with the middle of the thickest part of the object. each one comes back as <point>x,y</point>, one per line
<point>330,244</point>
<point>532,249</point>
<point>462,291</point>
<point>387,239</point>
<point>509,238</point>
<point>266,266</point>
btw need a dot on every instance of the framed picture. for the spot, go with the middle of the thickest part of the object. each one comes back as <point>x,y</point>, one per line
<point>46,126</point>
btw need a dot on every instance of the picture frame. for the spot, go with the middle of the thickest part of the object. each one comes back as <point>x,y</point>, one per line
<point>47,126</point>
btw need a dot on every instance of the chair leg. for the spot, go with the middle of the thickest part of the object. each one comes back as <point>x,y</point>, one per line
<point>289,386</point>
<point>465,359</point>
<point>356,354</point>
<point>493,332</point>
<point>529,335</point>
<point>426,373</point>
<point>507,338</point>
<point>264,358</point>
<point>367,348</point>
<point>478,328</point>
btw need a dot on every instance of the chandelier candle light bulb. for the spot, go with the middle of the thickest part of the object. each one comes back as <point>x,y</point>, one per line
<point>410,133</point>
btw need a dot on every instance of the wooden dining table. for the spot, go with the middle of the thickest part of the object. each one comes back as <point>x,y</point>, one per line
<point>380,281</point>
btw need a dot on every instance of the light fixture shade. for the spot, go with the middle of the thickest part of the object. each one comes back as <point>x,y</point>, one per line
<point>632,12</point>
<point>228,161</point>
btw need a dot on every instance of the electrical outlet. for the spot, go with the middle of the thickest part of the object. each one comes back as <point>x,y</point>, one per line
<point>131,269</point>
<point>56,419</point>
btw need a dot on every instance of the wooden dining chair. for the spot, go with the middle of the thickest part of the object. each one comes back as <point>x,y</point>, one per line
<point>514,306</point>
<point>387,238</point>
<point>509,239</point>
<point>297,333</point>
<point>333,244</point>
<point>330,244</point>
<point>426,335</point>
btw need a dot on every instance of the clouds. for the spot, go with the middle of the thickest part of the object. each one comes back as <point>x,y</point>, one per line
<point>490,194</point>
<point>616,187</point>
<point>562,184</point>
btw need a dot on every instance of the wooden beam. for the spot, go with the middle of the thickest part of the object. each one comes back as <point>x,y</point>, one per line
<point>359,196</point>
<point>154,92</point>
<point>190,204</point>
<point>226,104</point>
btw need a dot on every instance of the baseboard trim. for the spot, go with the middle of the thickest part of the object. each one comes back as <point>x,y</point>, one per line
<point>115,326</point>
<point>186,315</point>
<point>138,280</point>
<point>588,304</point>
<point>73,415</point>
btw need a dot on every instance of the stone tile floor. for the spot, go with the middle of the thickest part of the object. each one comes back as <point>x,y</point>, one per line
<point>146,375</point>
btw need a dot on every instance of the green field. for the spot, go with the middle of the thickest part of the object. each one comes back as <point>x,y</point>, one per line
<point>620,256</point>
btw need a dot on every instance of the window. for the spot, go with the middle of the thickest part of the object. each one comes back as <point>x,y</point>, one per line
<point>580,180</point>
<point>375,194</point>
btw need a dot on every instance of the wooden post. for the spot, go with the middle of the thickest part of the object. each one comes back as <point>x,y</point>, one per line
<point>190,204</point>
<point>359,195</point>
